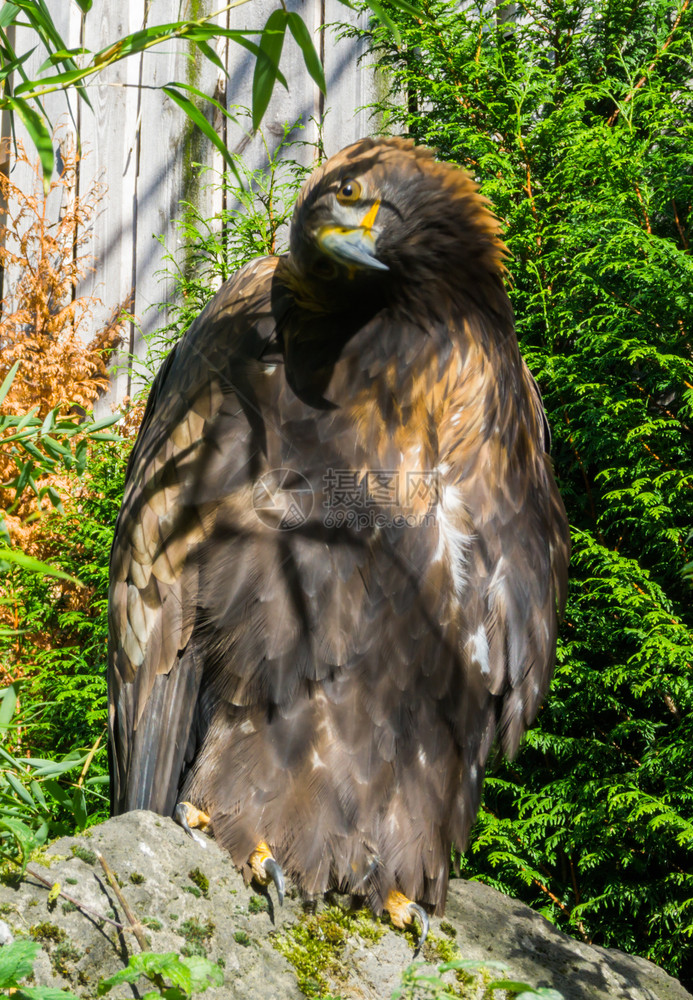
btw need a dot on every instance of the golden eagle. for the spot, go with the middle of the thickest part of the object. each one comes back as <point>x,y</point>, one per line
<point>341,557</point>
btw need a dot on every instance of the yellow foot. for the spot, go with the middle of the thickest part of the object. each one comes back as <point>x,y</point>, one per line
<point>265,869</point>
<point>188,816</point>
<point>403,911</point>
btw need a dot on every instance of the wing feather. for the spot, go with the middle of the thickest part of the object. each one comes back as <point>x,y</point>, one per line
<point>154,677</point>
<point>514,546</point>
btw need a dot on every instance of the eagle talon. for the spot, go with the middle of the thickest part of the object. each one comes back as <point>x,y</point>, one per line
<point>421,915</point>
<point>403,912</point>
<point>188,816</point>
<point>273,869</point>
<point>266,869</point>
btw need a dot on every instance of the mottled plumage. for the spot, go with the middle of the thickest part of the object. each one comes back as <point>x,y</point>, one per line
<point>330,680</point>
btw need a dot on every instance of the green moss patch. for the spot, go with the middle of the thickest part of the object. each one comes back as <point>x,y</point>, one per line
<point>198,878</point>
<point>314,946</point>
<point>196,936</point>
<point>47,933</point>
<point>61,950</point>
<point>84,854</point>
<point>257,904</point>
<point>64,957</point>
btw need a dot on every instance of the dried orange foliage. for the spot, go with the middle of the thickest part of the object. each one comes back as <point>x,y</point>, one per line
<point>41,320</point>
<point>44,325</point>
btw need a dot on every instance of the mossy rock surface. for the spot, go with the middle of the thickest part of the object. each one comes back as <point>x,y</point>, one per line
<point>268,953</point>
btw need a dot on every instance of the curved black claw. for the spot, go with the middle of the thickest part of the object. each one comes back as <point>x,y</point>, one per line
<point>421,915</point>
<point>180,815</point>
<point>273,869</point>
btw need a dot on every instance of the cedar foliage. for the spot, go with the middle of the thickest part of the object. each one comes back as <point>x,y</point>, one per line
<point>60,375</point>
<point>576,117</point>
<point>60,489</point>
<point>60,650</point>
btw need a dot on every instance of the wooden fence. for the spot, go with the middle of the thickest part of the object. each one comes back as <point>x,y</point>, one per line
<point>140,144</point>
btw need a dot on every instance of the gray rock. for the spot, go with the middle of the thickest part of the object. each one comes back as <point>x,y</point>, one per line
<point>495,927</point>
<point>163,874</point>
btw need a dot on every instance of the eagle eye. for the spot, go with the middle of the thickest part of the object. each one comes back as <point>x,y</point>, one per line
<point>349,192</point>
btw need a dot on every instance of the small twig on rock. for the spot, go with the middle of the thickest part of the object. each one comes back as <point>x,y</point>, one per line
<point>132,919</point>
<point>75,902</point>
<point>90,757</point>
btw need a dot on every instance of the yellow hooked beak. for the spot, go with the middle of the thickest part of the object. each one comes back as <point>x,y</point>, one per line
<point>354,247</point>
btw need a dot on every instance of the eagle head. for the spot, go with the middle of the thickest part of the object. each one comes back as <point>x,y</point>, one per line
<point>385,213</point>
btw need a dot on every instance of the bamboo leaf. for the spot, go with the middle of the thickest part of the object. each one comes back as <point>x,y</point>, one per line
<point>383,16</point>
<point>267,63</point>
<point>196,116</point>
<point>29,419</point>
<point>23,478</point>
<point>14,64</point>
<point>41,20</point>
<point>102,422</point>
<point>8,380</point>
<point>34,565</point>
<point>412,9</point>
<point>111,437</point>
<point>55,449</point>
<point>19,789</point>
<point>81,453</point>
<point>38,131</point>
<point>209,54</point>
<point>48,421</point>
<point>61,55</point>
<point>79,808</point>
<point>210,100</point>
<point>55,499</point>
<point>55,81</point>
<point>8,705</point>
<point>8,13</point>
<point>305,43</point>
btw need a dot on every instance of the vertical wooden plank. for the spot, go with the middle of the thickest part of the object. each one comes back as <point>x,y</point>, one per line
<point>109,142</point>
<point>170,148</point>
<point>352,84</point>
<point>296,106</point>
<point>212,199</point>
<point>160,182</point>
